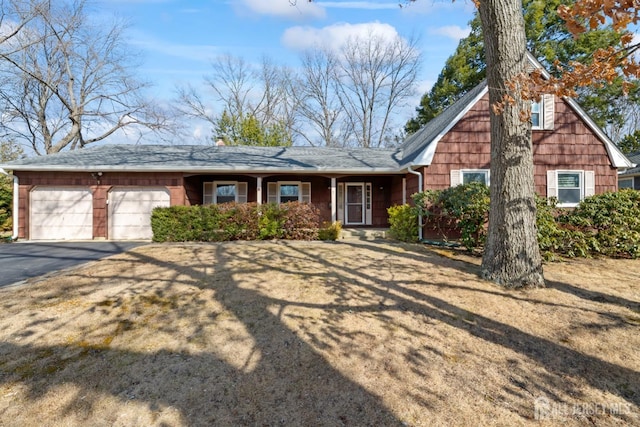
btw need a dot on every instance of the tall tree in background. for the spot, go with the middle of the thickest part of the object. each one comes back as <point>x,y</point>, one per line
<point>318,99</point>
<point>67,82</point>
<point>376,75</point>
<point>250,96</point>
<point>548,39</point>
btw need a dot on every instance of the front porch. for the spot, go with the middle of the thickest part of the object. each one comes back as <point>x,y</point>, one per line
<point>355,201</point>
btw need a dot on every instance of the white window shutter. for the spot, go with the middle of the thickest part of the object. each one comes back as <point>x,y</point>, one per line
<point>272,192</point>
<point>368,202</point>
<point>589,183</point>
<point>305,192</point>
<point>552,184</point>
<point>549,105</point>
<point>207,193</point>
<point>340,202</point>
<point>456,177</point>
<point>242,188</point>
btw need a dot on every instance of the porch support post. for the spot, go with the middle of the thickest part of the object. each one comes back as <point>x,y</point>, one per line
<point>334,204</point>
<point>404,191</point>
<point>259,190</point>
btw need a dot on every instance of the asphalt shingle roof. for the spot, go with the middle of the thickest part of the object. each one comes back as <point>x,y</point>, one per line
<point>213,158</point>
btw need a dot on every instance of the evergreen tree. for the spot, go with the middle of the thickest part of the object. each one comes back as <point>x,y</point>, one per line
<point>548,39</point>
<point>246,129</point>
<point>630,143</point>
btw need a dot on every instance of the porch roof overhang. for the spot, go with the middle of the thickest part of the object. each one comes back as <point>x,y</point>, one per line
<point>215,160</point>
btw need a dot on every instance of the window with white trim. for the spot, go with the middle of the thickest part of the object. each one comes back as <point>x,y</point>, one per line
<point>543,113</point>
<point>478,175</point>
<point>465,176</point>
<point>570,186</point>
<point>288,191</point>
<point>217,192</point>
<point>536,114</point>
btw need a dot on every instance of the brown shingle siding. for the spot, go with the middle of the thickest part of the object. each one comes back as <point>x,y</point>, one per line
<point>571,145</point>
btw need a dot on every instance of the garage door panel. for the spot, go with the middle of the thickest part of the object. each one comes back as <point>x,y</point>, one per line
<point>61,213</point>
<point>130,211</point>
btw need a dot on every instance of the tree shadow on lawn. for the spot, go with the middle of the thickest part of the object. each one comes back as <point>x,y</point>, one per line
<point>560,361</point>
<point>285,380</point>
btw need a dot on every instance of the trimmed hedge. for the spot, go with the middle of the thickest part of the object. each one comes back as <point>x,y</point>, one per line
<point>235,221</point>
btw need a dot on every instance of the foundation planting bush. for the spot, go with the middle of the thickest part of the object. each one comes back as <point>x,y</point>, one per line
<point>611,221</point>
<point>606,224</point>
<point>467,205</point>
<point>403,221</point>
<point>329,230</point>
<point>235,221</point>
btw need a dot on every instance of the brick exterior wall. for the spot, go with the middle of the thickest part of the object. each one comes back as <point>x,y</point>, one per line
<point>100,189</point>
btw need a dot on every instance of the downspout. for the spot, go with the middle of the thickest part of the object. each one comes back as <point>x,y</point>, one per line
<point>411,171</point>
<point>16,199</point>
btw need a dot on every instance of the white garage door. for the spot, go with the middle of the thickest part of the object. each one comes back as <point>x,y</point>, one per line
<point>58,213</point>
<point>130,211</point>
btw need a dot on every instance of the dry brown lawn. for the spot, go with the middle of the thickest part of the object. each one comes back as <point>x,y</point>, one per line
<point>310,333</point>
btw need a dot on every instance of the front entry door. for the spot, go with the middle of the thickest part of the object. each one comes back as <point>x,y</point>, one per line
<point>354,204</point>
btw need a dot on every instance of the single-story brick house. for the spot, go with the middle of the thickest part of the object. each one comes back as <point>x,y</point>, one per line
<point>108,192</point>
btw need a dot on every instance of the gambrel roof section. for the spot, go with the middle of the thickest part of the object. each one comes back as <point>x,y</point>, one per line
<point>418,149</point>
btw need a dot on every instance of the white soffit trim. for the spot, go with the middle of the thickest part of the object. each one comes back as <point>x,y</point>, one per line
<point>425,158</point>
<point>537,65</point>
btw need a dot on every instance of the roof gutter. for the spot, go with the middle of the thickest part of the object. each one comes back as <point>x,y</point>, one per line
<point>411,171</point>
<point>16,200</point>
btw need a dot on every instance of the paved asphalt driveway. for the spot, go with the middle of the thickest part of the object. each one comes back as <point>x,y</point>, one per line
<point>21,261</point>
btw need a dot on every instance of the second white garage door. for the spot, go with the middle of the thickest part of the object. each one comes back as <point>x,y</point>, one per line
<point>130,211</point>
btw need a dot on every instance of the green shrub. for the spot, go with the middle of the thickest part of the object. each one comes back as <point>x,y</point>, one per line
<point>403,221</point>
<point>329,230</point>
<point>235,221</point>
<point>270,222</point>
<point>6,199</point>
<point>555,238</point>
<point>613,222</point>
<point>467,204</point>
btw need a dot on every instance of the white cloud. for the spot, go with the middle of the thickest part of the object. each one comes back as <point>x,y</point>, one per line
<point>454,32</point>
<point>423,7</point>
<point>334,36</point>
<point>368,5</point>
<point>297,10</point>
<point>203,53</point>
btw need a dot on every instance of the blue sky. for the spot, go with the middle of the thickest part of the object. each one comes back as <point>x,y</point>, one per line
<point>178,38</point>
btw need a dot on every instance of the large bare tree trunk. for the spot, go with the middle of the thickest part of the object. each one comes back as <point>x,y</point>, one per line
<point>512,256</point>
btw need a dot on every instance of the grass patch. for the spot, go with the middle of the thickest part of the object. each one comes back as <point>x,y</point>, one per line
<point>309,333</point>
